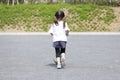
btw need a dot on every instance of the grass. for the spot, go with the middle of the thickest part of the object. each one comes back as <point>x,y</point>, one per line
<point>38,17</point>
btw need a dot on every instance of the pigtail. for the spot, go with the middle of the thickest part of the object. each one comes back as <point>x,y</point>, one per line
<point>64,21</point>
<point>55,21</point>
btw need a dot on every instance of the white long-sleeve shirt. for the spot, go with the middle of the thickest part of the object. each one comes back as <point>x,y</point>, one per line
<point>58,31</point>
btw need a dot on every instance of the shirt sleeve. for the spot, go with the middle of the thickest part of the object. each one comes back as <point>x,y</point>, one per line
<point>66,27</point>
<point>51,29</point>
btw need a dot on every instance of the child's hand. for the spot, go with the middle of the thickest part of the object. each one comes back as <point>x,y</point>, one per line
<point>51,34</point>
<point>67,33</point>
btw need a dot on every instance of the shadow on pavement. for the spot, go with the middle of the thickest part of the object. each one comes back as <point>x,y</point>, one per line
<point>51,65</point>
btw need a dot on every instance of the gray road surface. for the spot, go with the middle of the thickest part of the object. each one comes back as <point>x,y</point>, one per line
<point>89,57</point>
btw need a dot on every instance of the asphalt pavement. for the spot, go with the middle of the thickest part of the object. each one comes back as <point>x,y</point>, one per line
<point>88,57</point>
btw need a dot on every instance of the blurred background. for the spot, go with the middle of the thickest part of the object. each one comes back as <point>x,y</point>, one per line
<point>81,15</point>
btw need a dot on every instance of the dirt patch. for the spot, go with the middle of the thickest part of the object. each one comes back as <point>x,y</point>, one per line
<point>115,25</point>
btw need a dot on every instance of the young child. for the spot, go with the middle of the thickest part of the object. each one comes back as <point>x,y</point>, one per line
<point>59,31</point>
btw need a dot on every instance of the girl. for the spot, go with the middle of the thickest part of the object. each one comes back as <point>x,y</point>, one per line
<point>59,30</point>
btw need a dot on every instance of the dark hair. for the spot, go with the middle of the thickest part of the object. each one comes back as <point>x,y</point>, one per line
<point>59,15</point>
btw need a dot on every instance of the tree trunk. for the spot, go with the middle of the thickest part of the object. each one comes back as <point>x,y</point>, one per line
<point>94,1</point>
<point>17,1</point>
<point>8,1</point>
<point>75,1</point>
<point>13,2</point>
<point>51,1</point>
<point>25,2</point>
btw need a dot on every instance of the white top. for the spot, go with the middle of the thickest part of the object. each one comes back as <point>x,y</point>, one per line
<point>59,32</point>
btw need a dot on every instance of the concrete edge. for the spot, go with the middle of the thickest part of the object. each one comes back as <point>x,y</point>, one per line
<point>71,33</point>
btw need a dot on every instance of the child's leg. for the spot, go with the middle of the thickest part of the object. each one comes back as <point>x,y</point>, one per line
<point>57,51</point>
<point>63,47</point>
<point>63,50</point>
<point>63,54</point>
<point>58,54</point>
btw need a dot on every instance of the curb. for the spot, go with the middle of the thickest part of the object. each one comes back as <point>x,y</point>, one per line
<point>71,33</point>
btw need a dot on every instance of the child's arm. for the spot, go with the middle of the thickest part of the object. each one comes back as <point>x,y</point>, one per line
<point>51,34</point>
<point>67,32</point>
<point>67,29</point>
<point>51,30</point>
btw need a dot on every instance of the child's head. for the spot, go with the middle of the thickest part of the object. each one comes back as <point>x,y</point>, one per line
<point>59,15</point>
